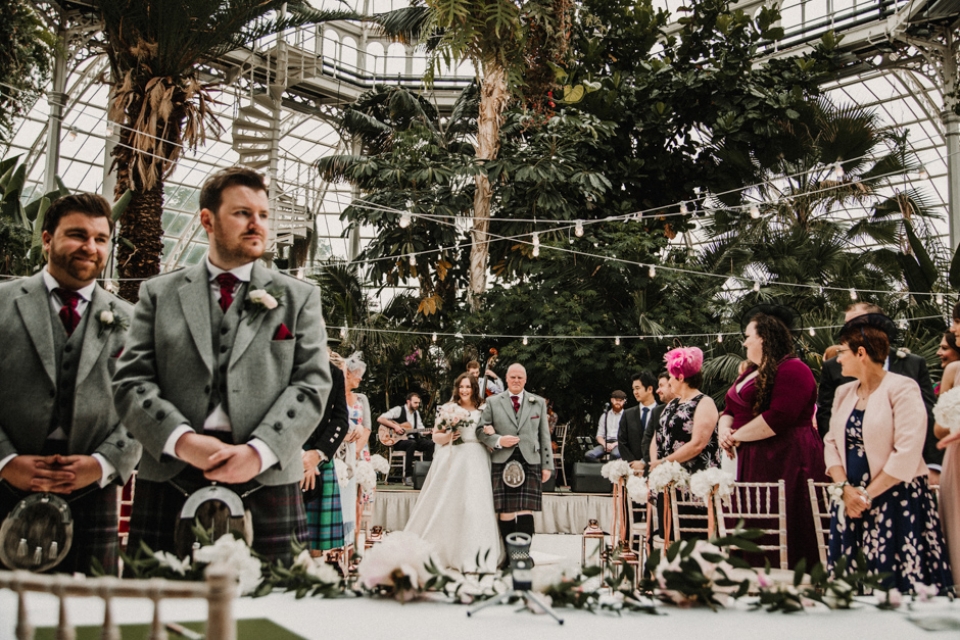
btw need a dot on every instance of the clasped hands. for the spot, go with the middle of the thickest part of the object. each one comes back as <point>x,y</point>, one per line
<point>512,441</point>
<point>854,501</point>
<point>727,442</point>
<point>52,474</point>
<point>220,462</point>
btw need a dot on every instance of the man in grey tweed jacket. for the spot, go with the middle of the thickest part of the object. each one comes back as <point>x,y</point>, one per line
<point>225,376</point>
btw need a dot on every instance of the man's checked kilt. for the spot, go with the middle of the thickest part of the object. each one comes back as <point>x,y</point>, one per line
<point>526,497</point>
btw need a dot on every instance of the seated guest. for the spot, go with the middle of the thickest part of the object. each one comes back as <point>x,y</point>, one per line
<point>875,450</point>
<point>405,420</point>
<point>608,429</point>
<point>634,423</point>
<point>490,383</point>
<point>897,361</point>
<point>321,490</point>
<point>59,432</point>
<point>767,423</point>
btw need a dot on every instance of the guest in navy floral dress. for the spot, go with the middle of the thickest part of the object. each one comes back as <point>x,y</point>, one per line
<point>875,448</point>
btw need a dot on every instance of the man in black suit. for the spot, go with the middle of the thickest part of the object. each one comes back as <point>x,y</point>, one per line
<point>898,361</point>
<point>635,420</point>
<point>665,395</point>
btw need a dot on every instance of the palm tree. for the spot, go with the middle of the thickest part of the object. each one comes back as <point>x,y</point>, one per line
<point>157,98</point>
<point>509,43</point>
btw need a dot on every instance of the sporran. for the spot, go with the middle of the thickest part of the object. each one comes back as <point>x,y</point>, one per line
<point>514,474</point>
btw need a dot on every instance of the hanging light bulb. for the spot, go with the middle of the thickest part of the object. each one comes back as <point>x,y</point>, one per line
<point>652,271</point>
<point>616,341</point>
<point>683,208</point>
<point>719,337</point>
<point>853,294</point>
<point>343,332</point>
<point>72,134</point>
<point>812,332</point>
<point>433,338</point>
<point>940,299</point>
<point>525,341</point>
<point>922,173</point>
<point>536,251</point>
<point>578,229</point>
<point>458,336</point>
<point>536,239</point>
<point>754,211</point>
<point>405,220</point>
<point>756,285</point>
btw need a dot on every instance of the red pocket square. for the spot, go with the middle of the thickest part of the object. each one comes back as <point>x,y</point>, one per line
<point>283,333</point>
<point>118,353</point>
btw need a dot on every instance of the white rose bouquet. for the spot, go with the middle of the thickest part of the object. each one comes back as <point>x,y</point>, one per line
<point>615,470</point>
<point>668,473</point>
<point>947,410</point>
<point>452,418</point>
<point>703,482</point>
<point>637,489</point>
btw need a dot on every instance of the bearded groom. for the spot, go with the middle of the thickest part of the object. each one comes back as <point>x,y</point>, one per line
<point>224,377</point>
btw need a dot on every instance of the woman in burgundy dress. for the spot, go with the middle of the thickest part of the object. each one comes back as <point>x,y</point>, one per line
<point>768,422</point>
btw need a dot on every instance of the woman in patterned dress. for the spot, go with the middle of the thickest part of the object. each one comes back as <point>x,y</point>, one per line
<point>355,444</point>
<point>874,450</point>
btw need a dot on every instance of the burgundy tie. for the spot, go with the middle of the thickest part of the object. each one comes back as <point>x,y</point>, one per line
<point>227,282</point>
<point>516,403</point>
<point>68,312</point>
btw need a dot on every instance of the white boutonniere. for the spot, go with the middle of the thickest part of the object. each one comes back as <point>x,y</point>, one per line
<point>111,319</point>
<point>903,353</point>
<point>261,300</point>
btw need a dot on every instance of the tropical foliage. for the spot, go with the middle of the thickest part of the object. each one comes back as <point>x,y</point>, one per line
<point>26,59</point>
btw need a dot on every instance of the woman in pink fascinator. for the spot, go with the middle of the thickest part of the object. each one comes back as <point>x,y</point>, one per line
<point>687,432</point>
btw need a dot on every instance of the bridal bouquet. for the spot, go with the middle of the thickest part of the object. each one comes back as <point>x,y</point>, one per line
<point>947,410</point>
<point>452,417</point>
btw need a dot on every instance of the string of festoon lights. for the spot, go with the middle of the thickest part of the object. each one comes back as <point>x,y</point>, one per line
<point>618,340</point>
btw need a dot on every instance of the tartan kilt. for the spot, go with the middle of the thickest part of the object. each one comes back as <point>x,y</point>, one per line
<point>95,527</point>
<point>324,514</point>
<point>277,514</point>
<point>526,497</point>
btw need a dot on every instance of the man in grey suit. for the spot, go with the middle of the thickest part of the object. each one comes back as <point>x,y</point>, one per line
<point>224,377</point>
<point>61,334</point>
<point>521,436</point>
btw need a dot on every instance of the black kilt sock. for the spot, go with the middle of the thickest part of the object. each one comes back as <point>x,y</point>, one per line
<point>525,524</point>
<point>506,528</point>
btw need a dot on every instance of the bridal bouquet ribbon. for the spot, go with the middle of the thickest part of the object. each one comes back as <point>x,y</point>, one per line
<point>451,418</point>
<point>947,410</point>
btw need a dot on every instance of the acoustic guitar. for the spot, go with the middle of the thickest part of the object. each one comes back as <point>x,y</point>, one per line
<point>388,437</point>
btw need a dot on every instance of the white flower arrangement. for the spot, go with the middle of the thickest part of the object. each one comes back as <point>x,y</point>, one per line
<point>111,319</point>
<point>344,473</point>
<point>947,410</point>
<point>666,474</point>
<point>264,299</point>
<point>637,489</point>
<point>379,463</point>
<point>261,300</point>
<point>836,498</point>
<point>365,475</point>
<point>402,564</point>
<point>317,568</point>
<point>615,470</point>
<point>451,417</point>
<point>233,554</point>
<point>172,562</point>
<point>703,482</point>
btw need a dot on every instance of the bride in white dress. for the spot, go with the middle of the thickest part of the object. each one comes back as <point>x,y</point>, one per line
<point>454,512</point>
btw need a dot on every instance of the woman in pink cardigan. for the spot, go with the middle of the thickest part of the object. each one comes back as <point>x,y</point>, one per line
<point>874,452</point>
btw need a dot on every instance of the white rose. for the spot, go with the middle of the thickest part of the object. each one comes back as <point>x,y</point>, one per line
<point>106,317</point>
<point>256,295</point>
<point>269,301</point>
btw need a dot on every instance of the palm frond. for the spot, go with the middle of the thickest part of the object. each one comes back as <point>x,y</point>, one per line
<point>408,25</point>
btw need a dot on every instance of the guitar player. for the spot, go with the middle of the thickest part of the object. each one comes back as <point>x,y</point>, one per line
<point>405,421</point>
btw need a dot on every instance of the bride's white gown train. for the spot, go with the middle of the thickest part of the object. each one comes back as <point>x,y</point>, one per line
<point>454,511</point>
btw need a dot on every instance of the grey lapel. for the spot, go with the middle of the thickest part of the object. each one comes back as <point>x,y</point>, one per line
<point>195,302</point>
<point>94,340</point>
<point>525,407</point>
<point>34,309</point>
<point>260,278</point>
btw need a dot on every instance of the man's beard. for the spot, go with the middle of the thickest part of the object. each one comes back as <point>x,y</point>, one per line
<point>64,261</point>
<point>240,252</point>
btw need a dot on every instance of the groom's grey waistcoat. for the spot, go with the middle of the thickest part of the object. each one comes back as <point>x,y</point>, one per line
<point>530,424</point>
<point>48,380</point>
<point>181,361</point>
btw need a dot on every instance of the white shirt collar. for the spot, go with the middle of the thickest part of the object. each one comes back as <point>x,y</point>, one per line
<point>242,273</point>
<point>51,283</point>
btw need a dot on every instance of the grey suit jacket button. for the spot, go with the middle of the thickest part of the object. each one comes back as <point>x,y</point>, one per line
<point>277,426</point>
<point>291,413</point>
<point>161,415</point>
<point>147,404</point>
<point>129,435</point>
<point>300,397</point>
<point>121,444</point>
<point>141,389</point>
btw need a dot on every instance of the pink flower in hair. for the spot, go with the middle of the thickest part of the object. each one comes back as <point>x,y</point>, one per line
<point>684,361</point>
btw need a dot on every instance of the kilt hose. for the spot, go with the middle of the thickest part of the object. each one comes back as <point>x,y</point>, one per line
<point>527,497</point>
<point>277,514</point>
<point>96,531</point>
<point>324,514</point>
